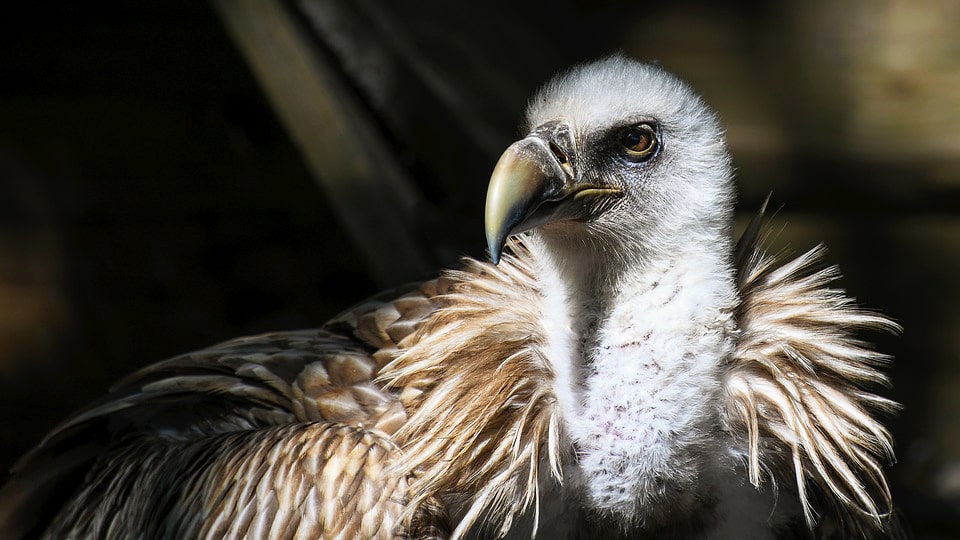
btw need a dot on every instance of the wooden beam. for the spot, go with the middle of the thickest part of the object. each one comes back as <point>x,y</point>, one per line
<point>337,137</point>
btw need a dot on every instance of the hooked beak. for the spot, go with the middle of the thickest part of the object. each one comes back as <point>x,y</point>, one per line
<point>530,188</point>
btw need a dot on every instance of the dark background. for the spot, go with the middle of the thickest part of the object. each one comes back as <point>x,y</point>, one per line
<point>152,202</point>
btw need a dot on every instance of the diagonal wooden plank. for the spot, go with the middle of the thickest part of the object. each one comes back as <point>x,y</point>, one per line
<point>338,139</point>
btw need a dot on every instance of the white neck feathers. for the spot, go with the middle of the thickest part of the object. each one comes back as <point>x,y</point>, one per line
<point>638,372</point>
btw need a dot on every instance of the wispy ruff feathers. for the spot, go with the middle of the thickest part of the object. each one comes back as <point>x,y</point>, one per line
<point>799,388</point>
<point>797,397</point>
<point>483,418</point>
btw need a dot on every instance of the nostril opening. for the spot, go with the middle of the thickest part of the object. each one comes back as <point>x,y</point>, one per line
<point>561,156</point>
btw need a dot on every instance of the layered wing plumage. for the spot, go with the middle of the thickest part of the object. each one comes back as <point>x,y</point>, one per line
<point>279,435</point>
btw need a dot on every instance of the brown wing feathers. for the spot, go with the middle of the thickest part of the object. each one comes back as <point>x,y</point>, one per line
<point>311,480</point>
<point>234,425</point>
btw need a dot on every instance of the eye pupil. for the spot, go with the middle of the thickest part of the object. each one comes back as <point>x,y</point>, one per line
<point>639,141</point>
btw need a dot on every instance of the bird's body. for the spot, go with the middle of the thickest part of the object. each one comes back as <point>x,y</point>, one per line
<point>623,371</point>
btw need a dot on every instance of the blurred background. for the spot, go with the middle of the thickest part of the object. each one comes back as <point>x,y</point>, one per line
<point>175,173</point>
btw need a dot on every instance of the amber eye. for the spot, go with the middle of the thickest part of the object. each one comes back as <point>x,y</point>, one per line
<point>639,141</point>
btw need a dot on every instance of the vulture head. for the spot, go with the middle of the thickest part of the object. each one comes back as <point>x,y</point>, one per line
<point>621,157</point>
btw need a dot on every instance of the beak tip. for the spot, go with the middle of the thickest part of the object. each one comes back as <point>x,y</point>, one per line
<point>495,246</point>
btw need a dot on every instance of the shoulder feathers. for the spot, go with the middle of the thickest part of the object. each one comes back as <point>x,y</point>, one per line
<point>367,426</point>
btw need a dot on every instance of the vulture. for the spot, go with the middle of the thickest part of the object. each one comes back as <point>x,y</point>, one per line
<point>620,367</point>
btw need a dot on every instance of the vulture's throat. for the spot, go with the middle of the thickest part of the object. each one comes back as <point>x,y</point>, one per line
<point>637,350</point>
